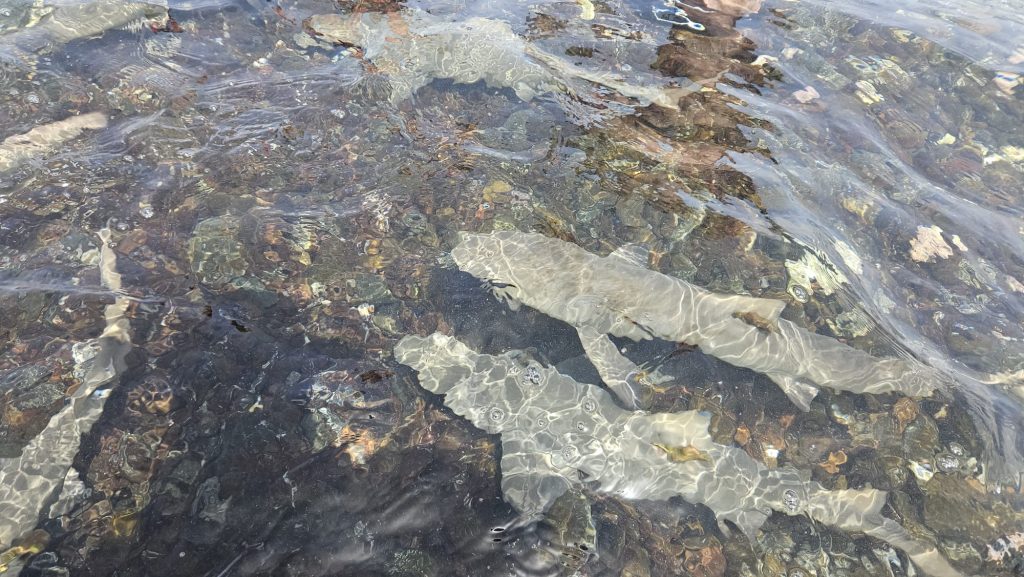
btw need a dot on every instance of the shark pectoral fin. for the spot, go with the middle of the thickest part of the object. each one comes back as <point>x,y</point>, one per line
<point>670,97</point>
<point>529,483</point>
<point>633,254</point>
<point>748,522</point>
<point>442,362</point>
<point>798,391</point>
<point>503,295</point>
<point>616,370</point>
<point>524,91</point>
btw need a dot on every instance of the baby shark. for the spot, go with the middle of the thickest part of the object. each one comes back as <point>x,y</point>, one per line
<point>617,295</point>
<point>34,480</point>
<point>65,23</point>
<point>412,48</point>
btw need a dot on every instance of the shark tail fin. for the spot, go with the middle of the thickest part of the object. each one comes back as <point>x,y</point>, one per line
<point>799,392</point>
<point>528,481</point>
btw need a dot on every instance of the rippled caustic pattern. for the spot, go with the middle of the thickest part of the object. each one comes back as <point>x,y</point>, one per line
<point>761,295</point>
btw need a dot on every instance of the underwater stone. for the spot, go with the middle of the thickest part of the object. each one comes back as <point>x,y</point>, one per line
<point>921,439</point>
<point>370,288</point>
<point>791,500</point>
<point>929,244</point>
<point>568,537</point>
<point>799,293</point>
<point>255,291</point>
<point>350,406</point>
<point>815,269</point>
<point>947,463</point>
<point>952,508</point>
<point>410,563</point>
<point>531,375</point>
<point>921,471</point>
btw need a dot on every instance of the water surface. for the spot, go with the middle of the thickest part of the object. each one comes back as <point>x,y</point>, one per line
<point>278,222</point>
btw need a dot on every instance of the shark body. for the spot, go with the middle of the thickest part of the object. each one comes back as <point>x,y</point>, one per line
<point>413,48</point>
<point>617,295</point>
<point>556,431</point>
<point>66,23</point>
<point>46,138</point>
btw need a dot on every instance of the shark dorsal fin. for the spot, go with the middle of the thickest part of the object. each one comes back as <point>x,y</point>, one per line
<point>765,311</point>
<point>632,253</point>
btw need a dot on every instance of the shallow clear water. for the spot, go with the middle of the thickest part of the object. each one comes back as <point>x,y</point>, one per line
<point>226,214</point>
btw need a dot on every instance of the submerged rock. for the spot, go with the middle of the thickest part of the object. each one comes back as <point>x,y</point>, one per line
<point>951,506</point>
<point>216,254</point>
<point>351,407</point>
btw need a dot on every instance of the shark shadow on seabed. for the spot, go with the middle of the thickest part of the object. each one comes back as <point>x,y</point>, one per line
<point>556,431</point>
<point>42,474</point>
